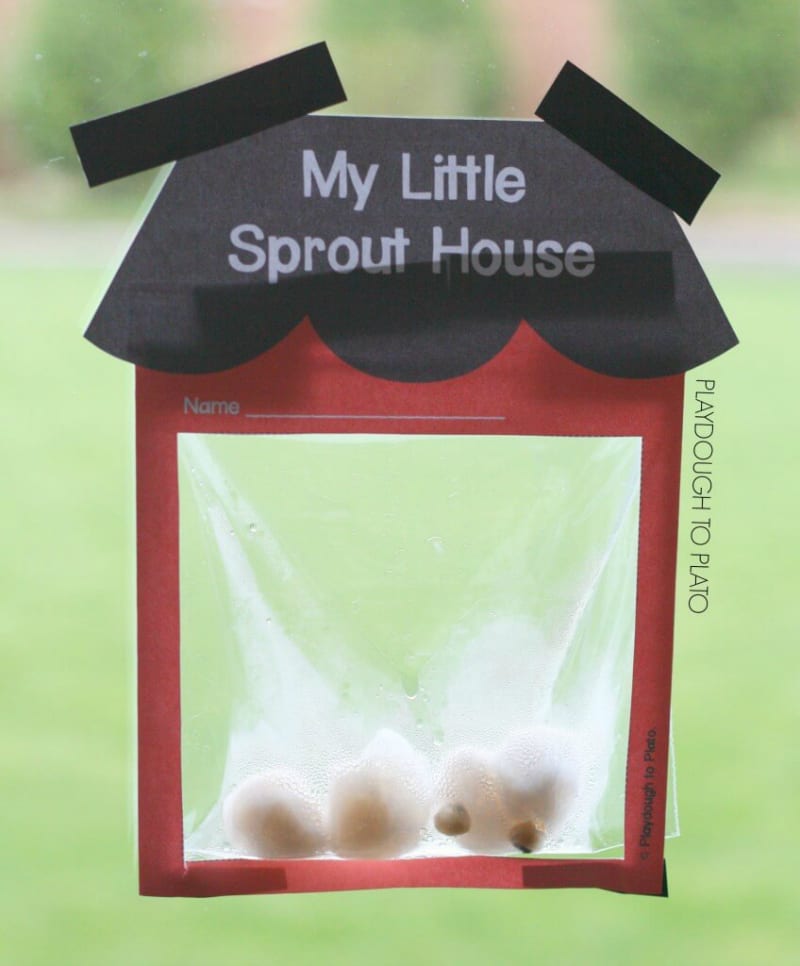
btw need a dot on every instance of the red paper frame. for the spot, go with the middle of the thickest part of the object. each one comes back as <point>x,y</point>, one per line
<point>536,391</point>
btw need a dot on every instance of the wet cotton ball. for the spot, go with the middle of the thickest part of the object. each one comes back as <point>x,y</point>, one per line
<point>468,780</point>
<point>362,818</point>
<point>517,796</point>
<point>538,771</point>
<point>377,808</point>
<point>271,816</point>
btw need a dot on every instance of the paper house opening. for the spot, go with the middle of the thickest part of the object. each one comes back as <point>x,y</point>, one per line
<point>437,620</point>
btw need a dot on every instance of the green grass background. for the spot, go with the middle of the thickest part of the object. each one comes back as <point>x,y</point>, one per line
<point>68,879</point>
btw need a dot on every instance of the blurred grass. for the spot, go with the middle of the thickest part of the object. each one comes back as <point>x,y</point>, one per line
<point>68,880</point>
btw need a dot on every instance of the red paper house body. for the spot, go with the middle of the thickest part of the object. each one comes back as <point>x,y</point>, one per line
<point>359,278</point>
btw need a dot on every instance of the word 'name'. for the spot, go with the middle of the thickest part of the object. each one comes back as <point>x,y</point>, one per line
<point>210,407</point>
<point>450,180</point>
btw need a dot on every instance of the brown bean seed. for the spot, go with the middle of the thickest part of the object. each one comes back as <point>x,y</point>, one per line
<point>526,836</point>
<point>452,819</point>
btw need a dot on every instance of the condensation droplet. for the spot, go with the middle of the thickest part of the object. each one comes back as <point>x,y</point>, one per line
<point>437,543</point>
<point>410,682</point>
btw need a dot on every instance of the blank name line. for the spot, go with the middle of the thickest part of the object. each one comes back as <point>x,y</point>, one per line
<point>370,416</point>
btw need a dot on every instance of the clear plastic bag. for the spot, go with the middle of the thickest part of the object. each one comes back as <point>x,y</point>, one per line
<point>447,619</point>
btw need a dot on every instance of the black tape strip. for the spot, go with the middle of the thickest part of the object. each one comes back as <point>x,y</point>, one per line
<point>208,116</point>
<point>605,126</point>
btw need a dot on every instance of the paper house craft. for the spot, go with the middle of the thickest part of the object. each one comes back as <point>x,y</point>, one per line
<point>408,433</point>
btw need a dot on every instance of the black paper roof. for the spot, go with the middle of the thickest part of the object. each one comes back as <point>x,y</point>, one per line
<point>176,304</point>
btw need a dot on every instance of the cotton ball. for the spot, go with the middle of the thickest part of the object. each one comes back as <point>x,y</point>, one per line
<point>468,787</point>
<point>538,772</point>
<point>378,806</point>
<point>516,797</point>
<point>271,816</point>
